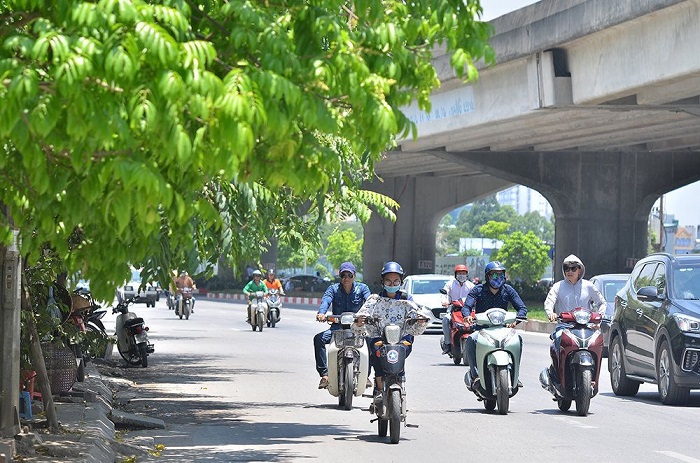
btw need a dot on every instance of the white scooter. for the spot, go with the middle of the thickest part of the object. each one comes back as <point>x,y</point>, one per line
<point>259,308</point>
<point>348,361</point>
<point>132,335</point>
<point>274,304</point>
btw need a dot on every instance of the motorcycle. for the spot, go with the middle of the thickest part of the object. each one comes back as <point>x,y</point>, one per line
<point>94,333</point>
<point>132,335</point>
<point>274,304</point>
<point>348,361</point>
<point>498,352</point>
<point>389,321</point>
<point>259,310</point>
<point>576,362</point>
<point>459,332</point>
<point>183,303</point>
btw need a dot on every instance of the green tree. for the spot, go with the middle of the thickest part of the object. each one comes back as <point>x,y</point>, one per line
<point>525,256</point>
<point>483,211</point>
<point>305,254</point>
<point>494,230</point>
<point>344,246</point>
<point>169,133</point>
<point>536,223</point>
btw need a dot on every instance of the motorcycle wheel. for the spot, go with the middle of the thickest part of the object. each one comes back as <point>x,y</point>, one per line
<point>143,354</point>
<point>564,404</point>
<point>80,373</point>
<point>502,393</point>
<point>94,342</point>
<point>456,354</point>
<point>348,391</point>
<point>465,359</point>
<point>394,416</point>
<point>187,311</point>
<point>584,391</point>
<point>273,320</point>
<point>489,405</point>
<point>132,356</point>
<point>261,321</point>
<point>382,427</point>
<point>180,309</point>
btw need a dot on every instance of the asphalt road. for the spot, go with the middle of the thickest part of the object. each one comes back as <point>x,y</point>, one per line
<point>230,394</point>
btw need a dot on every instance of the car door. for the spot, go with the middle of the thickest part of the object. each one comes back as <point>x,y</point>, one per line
<point>635,324</point>
<point>650,319</point>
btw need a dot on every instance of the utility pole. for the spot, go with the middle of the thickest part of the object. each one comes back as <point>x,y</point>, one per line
<point>10,286</point>
<point>662,230</point>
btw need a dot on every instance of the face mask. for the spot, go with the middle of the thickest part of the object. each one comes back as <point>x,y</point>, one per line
<point>391,289</point>
<point>497,281</point>
<point>461,278</point>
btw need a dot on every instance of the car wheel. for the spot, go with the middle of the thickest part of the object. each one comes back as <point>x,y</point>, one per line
<point>670,392</point>
<point>621,385</point>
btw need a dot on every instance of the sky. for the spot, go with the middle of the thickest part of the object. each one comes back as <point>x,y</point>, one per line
<point>679,202</point>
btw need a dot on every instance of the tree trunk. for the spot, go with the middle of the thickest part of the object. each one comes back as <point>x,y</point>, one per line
<point>42,375</point>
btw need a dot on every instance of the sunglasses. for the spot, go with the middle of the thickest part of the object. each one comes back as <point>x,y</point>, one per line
<point>571,269</point>
<point>346,276</point>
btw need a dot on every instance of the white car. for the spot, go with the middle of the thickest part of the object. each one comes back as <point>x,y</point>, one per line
<point>425,290</point>
<point>149,294</point>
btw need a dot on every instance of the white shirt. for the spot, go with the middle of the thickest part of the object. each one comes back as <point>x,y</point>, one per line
<point>564,296</point>
<point>456,290</point>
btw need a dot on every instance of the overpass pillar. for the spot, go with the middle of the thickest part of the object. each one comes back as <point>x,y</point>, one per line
<point>423,201</point>
<point>601,200</point>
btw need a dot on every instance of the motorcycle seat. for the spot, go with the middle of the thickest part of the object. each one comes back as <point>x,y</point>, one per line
<point>133,322</point>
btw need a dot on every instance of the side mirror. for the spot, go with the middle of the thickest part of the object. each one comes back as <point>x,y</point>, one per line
<point>443,290</point>
<point>648,293</point>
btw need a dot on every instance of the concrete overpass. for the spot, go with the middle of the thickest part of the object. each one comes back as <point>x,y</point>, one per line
<point>593,103</point>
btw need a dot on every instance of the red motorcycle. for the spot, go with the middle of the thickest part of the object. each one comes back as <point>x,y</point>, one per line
<point>459,331</point>
<point>576,357</point>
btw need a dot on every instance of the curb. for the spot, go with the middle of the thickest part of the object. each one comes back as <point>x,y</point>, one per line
<point>285,299</point>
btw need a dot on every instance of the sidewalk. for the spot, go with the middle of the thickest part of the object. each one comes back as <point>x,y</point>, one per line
<point>87,420</point>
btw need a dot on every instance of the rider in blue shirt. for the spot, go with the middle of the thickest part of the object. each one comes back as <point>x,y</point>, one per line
<point>346,296</point>
<point>494,292</point>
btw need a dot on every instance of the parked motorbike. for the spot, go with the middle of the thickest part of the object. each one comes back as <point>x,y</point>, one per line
<point>576,362</point>
<point>183,303</point>
<point>459,332</point>
<point>498,352</point>
<point>390,320</point>
<point>94,333</point>
<point>132,335</point>
<point>274,304</point>
<point>170,300</point>
<point>258,307</point>
<point>348,361</point>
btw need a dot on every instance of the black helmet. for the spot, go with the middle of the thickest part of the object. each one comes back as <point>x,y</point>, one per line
<point>392,267</point>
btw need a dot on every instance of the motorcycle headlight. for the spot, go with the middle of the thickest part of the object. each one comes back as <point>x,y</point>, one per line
<point>686,323</point>
<point>392,334</point>
<point>582,317</point>
<point>497,317</point>
<point>347,319</point>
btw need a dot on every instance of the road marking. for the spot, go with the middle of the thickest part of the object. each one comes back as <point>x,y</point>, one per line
<point>574,422</point>
<point>678,456</point>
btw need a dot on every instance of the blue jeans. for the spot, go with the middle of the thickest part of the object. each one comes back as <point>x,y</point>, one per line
<point>320,341</point>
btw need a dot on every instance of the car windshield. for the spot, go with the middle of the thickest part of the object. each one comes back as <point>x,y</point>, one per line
<point>686,282</point>
<point>427,286</point>
<point>610,289</point>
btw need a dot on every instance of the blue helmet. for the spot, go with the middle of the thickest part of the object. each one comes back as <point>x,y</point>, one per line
<point>392,267</point>
<point>491,266</point>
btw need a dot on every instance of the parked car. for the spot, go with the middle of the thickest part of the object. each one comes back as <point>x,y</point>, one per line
<point>609,284</point>
<point>148,294</point>
<point>655,331</point>
<point>425,290</point>
<point>307,283</point>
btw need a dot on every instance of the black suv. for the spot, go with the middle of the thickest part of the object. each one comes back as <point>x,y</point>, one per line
<point>655,331</point>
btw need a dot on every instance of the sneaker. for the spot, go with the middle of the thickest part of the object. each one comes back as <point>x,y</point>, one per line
<point>369,383</point>
<point>323,384</point>
<point>475,382</point>
<point>520,384</point>
<point>446,349</point>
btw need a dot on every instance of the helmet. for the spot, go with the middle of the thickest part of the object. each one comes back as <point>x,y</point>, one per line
<point>270,272</point>
<point>257,272</point>
<point>461,268</point>
<point>392,267</point>
<point>491,266</point>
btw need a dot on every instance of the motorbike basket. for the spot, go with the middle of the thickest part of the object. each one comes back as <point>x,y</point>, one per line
<point>346,338</point>
<point>393,358</point>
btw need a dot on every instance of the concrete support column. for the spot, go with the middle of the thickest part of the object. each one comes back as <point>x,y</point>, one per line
<point>423,202</point>
<point>10,285</point>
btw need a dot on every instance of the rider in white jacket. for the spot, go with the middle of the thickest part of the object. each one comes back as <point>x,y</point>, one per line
<point>573,291</point>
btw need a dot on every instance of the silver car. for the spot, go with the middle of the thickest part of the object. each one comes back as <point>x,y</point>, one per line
<point>425,290</point>
<point>149,294</point>
<point>608,284</point>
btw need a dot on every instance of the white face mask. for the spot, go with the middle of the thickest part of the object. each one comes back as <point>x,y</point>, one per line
<point>461,278</point>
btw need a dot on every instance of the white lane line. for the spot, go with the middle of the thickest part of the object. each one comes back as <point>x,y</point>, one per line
<point>573,422</point>
<point>678,456</point>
